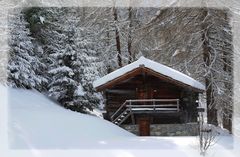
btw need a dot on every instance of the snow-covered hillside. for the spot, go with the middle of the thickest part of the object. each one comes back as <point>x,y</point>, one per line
<point>36,124</point>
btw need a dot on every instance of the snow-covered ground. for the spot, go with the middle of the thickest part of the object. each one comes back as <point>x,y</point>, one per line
<point>36,122</point>
<point>39,127</point>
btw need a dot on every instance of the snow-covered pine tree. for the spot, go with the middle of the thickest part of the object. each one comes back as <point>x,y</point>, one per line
<point>89,56</point>
<point>87,65</point>
<point>62,85</point>
<point>36,19</point>
<point>57,45</point>
<point>69,45</point>
<point>23,61</point>
<point>73,60</point>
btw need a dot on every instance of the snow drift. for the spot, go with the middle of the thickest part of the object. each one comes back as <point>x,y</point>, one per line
<point>37,124</point>
<point>35,121</point>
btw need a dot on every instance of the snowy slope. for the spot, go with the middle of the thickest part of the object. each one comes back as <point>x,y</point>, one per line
<point>157,67</point>
<point>35,121</point>
<point>36,124</point>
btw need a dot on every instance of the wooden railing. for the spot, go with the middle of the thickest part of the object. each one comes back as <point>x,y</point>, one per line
<point>148,105</point>
<point>119,110</point>
<point>154,105</point>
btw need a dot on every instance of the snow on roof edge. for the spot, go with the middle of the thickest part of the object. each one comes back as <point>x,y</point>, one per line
<point>155,66</point>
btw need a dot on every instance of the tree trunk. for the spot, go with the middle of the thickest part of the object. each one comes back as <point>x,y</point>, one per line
<point>211,110</point>
<point>227,67</point>
<point>130,57</point>
<point>118,43</point>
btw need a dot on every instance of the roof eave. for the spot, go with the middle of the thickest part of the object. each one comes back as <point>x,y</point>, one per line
<point>140,69</point>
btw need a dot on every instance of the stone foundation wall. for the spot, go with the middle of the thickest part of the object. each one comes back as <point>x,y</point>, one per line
<point>189,129</point>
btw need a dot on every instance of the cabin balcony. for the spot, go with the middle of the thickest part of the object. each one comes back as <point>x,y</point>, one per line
<point>133,108</point>
<point>145,117</point>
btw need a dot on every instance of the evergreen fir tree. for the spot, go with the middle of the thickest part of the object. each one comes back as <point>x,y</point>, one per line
<point>23,62</point>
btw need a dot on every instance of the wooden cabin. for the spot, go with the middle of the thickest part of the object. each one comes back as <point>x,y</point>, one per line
<point>146,92</point>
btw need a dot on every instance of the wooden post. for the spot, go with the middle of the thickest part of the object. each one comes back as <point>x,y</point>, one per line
<point>132,116</point>
<point>144,126</point>
<point>154,104</point>
<point>178,105</point>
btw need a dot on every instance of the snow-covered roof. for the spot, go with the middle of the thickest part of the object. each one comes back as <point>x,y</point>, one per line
<point>154,66</point>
